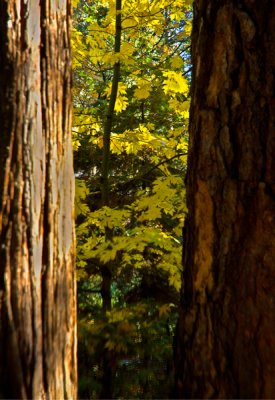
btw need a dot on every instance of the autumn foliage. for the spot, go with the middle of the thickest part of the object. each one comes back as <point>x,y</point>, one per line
<point>131,86</point>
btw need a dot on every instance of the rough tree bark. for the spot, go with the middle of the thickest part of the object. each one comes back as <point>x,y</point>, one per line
<point>225,341</point>
<point>37,287</point>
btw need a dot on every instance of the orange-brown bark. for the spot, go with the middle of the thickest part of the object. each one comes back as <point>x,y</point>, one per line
<point>225,341</point>
<point>37,286</point>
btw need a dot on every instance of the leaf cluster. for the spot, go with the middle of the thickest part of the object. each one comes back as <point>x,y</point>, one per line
<point>137,236</point>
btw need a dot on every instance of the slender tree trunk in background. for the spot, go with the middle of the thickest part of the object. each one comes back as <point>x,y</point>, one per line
<point>37,287</point>
<point>106,288</point>
<point>225,341</point>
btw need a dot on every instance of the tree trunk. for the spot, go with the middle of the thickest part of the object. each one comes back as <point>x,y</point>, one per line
<point>225,339</point>
<point>37,287</point>
<point>106,287</point>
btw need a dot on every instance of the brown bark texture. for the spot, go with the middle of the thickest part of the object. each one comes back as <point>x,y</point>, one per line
<point>225,338</point>
<point>37,286</point>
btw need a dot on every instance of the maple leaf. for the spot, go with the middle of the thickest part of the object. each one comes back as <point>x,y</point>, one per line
<point>164,309</point>
<point>143,90</point>
<point>175,281</point>
<point>176,62</point>
<point>75,3</point>
<point>142,93</point>
<point>174,83</point>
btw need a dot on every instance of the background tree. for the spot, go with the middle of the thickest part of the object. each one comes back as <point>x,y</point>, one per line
<point>225,342</point>
<point>37,288</point>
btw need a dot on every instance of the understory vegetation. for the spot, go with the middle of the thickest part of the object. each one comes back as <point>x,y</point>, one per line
<point>131,71</point>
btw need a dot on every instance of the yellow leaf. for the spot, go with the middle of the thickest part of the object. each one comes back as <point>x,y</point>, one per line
<point>121,100</point>
<point>143,90</point>
<point>176,62</point>
<point>117,315</point>
<point>127,49</point>
<point>142,93</point>
<point>174,83</point>
<point>188,28</point>
<point>129,23</point>
<point>180,107</point>
<point>177,15</point>
<point>100,142</point>
<point>110,345</point>
<point>75,3</point>
<point>174,280</point>
<point>164,309</point>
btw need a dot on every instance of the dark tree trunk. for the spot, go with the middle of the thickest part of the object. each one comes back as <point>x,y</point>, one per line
<point>107,367</point>
<point>225,341</point>
<point>37,287</point>
<point>106,287</point>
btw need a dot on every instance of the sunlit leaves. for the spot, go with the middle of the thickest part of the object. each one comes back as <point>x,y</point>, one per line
<point>139,235</point>
<point>167,198</point>
<point>121,100</point>
<point>174,83</point>
<point>176,62</point>
<point>81,192</point>
<point>126,53</point>
<point>180,107</point>
<point>143,89</point>
<point>134,141</point>
<point>75,3</point>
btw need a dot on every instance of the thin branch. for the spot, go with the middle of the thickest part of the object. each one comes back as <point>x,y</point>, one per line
<point>164,162</point>
<point>141,177</point>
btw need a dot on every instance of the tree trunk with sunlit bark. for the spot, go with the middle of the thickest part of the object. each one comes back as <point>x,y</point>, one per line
<point>37,246</point>
<point>225,339</point>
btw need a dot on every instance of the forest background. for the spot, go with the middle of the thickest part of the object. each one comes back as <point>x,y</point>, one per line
<point>128,184</point>
<point>131,71</point>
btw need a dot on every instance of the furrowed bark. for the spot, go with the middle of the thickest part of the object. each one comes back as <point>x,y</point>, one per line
<point>37,255</point>
<point>225,339</point>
